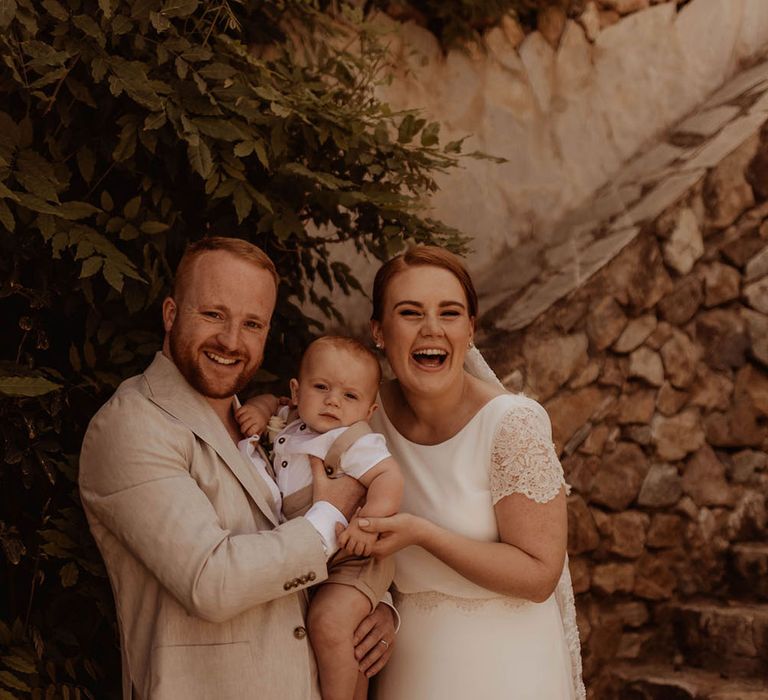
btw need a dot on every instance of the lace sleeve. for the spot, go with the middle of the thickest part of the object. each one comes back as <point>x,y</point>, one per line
<point>523,459</point>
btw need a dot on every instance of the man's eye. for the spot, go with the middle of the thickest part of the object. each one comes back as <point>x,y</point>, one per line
<point>212,314</point>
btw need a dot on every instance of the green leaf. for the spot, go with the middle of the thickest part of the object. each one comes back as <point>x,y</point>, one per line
<point>56,10</point>
<point>88,26</point>
<point>106,7</point>
<point>261,153</point>
<point>243,203</point>
<point>180,8</point>
<point>37,175</point>
<point>430,135</point>
<point>6,217</point>
<point>153,227</point>
<point>74,211</point>
<point>7,12</point>
<point>69,574</point>
<point>154,121</point>
<point>86,163</point>
<point>91,266</point>
<point>126,145</point>
<point>7,678</point>
<point>131,209</point>
<point>200,158</point>
<point>113,276</point>
<point>20,664</point>
<point>107,203</point>
<point>159,21</point>
<point>244,148</point>
<point>26,386</point>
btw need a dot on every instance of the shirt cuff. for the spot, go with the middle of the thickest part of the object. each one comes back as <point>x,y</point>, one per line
<point>323,517</point>
<point>387,600</point>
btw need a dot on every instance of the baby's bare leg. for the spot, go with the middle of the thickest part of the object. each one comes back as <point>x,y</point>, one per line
<point>334,614</point>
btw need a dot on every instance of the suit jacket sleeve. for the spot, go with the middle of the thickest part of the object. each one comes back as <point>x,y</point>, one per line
<point>135,481</point>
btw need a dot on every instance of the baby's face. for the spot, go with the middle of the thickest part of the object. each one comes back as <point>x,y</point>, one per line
<point>336,389</point>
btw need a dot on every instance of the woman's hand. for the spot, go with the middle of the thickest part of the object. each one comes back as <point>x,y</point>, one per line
<point>373,640</point>
<point>395,532</point>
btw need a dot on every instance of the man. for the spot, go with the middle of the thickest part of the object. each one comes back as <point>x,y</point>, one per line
<point>209,588</point>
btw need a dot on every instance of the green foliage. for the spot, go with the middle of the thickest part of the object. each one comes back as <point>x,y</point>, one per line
<point>126,130</point>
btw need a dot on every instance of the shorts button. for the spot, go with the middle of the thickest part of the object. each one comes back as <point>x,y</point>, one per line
<point>303,426</point>
<point>281,441</point>
<point>329,471</point>
<point>284,463</point>
<point>299,632</point>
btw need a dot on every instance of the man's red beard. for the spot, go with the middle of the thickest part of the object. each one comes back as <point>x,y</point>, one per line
<point>188,362</point>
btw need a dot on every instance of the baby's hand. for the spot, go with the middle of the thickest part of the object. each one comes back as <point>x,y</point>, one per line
<point>253,416</point>
<point>357,542</point>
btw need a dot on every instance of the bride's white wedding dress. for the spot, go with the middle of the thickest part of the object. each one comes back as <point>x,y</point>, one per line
<point>457,639</point>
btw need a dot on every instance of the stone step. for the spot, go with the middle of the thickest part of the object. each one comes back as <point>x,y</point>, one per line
<point>729,637</point>
<point>631,681</point>
<point>749,569</point>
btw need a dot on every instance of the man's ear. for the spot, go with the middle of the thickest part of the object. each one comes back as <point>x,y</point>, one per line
<point>294,384</point>
<point>169,313</point>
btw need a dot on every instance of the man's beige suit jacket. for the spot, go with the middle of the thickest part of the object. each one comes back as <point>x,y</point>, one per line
<point>209,589</point>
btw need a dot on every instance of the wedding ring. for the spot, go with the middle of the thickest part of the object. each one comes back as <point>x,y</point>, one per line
<point>384,642</point>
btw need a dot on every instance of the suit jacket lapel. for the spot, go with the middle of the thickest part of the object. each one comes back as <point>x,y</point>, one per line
<point>170,391</point>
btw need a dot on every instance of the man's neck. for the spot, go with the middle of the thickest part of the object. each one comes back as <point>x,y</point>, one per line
<point>224,409</point>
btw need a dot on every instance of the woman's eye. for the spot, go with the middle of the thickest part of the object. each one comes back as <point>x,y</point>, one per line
<point>255,325</point>
<point>409,312</point>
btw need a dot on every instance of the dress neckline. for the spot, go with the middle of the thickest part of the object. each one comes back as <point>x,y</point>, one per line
<point>457,434</point>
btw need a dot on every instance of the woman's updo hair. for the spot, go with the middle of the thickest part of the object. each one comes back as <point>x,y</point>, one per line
<point>422,256</point>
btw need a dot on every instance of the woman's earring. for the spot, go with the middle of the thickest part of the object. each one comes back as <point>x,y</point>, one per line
<point>379,346</point>
<point>470,345</point>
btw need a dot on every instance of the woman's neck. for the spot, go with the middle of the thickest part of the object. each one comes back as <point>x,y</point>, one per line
<point>433,418</point>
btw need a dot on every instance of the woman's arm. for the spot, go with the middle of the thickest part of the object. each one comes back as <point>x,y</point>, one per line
<point>526,563</point>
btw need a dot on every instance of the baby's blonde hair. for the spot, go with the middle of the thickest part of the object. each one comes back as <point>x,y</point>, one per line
<point>351,345</point>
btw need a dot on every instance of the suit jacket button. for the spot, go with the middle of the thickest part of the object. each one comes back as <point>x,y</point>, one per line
<point>304,578</point>
<point>299,632</point>
<point>287,586</point>
<point>311,576</point>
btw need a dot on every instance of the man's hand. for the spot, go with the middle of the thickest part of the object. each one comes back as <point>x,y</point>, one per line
<point>374,639</point>
<point>355,541</point>
<point>345,493</point>
<point>253,416</point>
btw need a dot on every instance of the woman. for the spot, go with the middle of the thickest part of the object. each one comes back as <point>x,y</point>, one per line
<point>485,600</point>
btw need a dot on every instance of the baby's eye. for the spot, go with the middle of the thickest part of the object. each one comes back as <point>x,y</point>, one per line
<point>352,397</point>
<point>320,385</point>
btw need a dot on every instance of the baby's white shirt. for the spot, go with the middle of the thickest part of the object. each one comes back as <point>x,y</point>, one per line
<point>297,441</point>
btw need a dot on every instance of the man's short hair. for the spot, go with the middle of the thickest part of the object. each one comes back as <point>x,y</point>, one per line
<point>239,247</point>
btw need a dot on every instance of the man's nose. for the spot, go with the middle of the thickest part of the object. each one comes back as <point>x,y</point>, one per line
<point>229,336</point>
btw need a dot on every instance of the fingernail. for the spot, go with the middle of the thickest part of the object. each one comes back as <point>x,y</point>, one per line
<point>363,522</point>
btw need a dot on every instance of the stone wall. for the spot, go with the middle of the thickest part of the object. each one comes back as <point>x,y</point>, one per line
<point>654,375</point>
<point>566,105</point>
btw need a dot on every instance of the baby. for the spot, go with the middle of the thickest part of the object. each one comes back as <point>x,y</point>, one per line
<point>334,395</point>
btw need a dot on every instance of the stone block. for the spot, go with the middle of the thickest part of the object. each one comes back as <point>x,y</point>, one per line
<point>680,357</point>
<point>741,426</point>
<point>666,530</point>
<point>569,411</point>
<point>581,576</point>
<point>711,390</point>
<point>637,407</point>
<point>637,277</point>
<point>660,336</point>
<point>669,400</point>
<point>586,376</point>
<point>722,283</point>
<point>753,383</point>
<point>655,577</point>
<point>582,531</point>
<point>627,534</point>
<point>621,473</point>
<point>756,295</point>
<point>704,479</point>
<point>678,435</point>
<point>685,246</point>
<point>723,336</point>
<point>580,472</point>
<point>661,487</point>
<point>757,330</point>
<point>745,464</point>
<point>552,361</point>
<point>635,333</point>
<point>680,305</point>
<point>605,322</point>
<point>757,266</point>
<point>595,441</point>
<point>613,578</point>
<point>646,364</point>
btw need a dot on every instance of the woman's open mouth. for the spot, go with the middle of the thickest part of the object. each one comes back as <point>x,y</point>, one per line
<point>430,358</point>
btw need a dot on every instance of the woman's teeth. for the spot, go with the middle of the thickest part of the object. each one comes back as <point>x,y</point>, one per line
<point>432,357</point>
